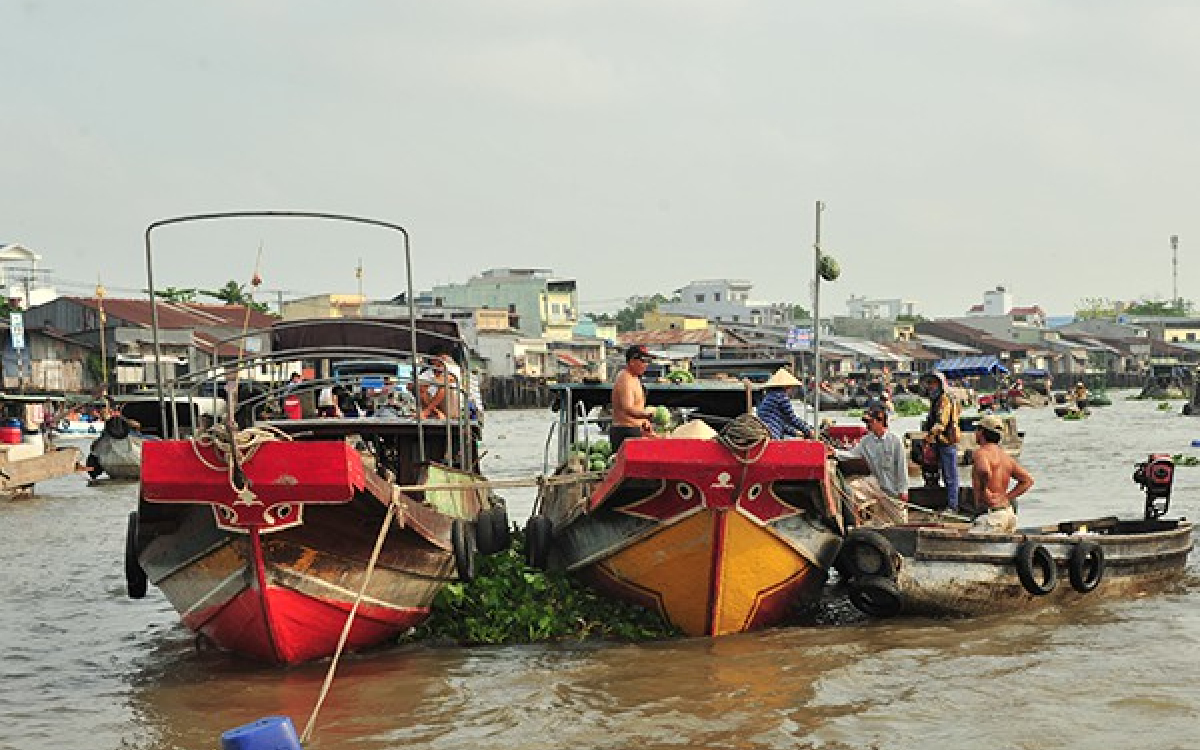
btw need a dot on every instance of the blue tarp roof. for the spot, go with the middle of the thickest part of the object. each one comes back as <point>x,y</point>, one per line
<point>1035,373</point>
<point>962,367</point>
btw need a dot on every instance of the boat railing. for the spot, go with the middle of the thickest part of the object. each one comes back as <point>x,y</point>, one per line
<point>260,383</point>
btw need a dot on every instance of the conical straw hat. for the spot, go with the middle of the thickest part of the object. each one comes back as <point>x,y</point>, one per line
<point>697,428</point>
<point>781,379</point>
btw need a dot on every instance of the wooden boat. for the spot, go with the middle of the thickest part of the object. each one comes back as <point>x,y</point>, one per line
<point>718,534</point>
<point>269,534</point>
<point>932,568</point>
<point>1012,441</point>
<point>116,453</point>
<point>23,464</point>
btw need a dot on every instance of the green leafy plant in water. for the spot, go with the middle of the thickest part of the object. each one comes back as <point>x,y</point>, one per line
<point>1164,405</point>
<point>508,602</point>
<point>1182,460</point>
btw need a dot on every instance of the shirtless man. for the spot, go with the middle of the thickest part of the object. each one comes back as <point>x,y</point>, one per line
<point>630,417</point>
<point>992,473</point>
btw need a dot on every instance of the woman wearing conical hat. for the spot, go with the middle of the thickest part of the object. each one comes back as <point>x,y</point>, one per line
<point>775,410</point>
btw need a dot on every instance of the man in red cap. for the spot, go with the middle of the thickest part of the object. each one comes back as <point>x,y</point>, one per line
<point>631,418</point>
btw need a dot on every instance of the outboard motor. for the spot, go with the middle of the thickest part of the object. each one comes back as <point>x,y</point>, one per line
<point>1155,475</point>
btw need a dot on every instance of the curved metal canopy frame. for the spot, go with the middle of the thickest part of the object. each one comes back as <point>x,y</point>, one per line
<point>158,378</point>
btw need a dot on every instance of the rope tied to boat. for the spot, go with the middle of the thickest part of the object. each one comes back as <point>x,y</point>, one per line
<point>234,447</point>
<point>744,435</point>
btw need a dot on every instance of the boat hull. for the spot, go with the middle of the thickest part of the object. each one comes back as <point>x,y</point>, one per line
<point>946,571</point>
<point>716,547</point>
<point>275,577</point>
<point>20,472</point>
<point>286,598</point>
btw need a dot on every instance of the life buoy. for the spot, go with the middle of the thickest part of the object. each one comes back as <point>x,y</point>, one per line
<point>680,376</point>
<point>463,543</point>
<point>1036,568</point>
<point>135,576</point>
<point>876,596</point>
<point>537,541</point>
<point>868,553</point>
<point>1085,566</point>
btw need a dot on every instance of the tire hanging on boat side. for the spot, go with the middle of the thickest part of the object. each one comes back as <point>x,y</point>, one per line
<point>537,541</point>
<point>485,537</point>
<point>94,469</point>
<point>876,596</point>
<point>869,553</point>
<point>1085,566</point>
<point>1036,568</point>
<point>463,542</point>
<point>501,532</point>
<point>135,576</point>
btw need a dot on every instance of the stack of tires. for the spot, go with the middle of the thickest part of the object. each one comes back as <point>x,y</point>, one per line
<point>867,565</point>
<point>489,535</point>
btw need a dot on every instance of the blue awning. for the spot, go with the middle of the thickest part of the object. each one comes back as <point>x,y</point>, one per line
<point>1036,373</point>
<point>963,367</point>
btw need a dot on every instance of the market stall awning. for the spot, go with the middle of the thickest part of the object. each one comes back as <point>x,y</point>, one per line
<point>963,367</point>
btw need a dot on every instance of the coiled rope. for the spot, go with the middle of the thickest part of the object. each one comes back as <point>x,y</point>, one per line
<point>234,451</point>
<point>744,435</point>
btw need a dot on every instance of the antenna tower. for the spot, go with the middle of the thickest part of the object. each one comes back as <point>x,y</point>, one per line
<point>1175,269</point>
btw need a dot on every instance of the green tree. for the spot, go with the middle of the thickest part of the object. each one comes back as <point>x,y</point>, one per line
<point>234,293</point>
<point>176,294</point>
<point>1161,308</point>
<point>800,313</point>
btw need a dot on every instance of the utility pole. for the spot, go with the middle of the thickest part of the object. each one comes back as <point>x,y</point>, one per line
<point>1175,272</point>
<point>816,337</point>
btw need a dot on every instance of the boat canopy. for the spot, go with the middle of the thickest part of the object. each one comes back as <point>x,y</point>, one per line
<point>377,333</point>
<point>962,367</point>
<point>1036,373</point>
<point>713,398</point>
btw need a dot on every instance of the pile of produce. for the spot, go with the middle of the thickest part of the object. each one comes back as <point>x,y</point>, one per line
<point>911,407</point>
<point>597,456</point>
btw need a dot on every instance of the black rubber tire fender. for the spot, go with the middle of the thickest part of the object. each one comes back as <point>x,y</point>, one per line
<point>537,541</point>
<point>1036,568</point>
<point>1086,566</point>
<point>135,576</point>
<point>876,596</point>
<point>501,531</point>
<point>485,537</point>
<point>463,543</point>
<point>116,427</point>
<point>94,469</point>
<point>868,553</point>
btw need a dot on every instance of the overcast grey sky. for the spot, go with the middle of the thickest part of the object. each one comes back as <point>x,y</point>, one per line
<point>635,145</point>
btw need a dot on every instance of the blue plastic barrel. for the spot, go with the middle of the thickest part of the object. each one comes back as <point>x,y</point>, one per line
<point>268,733</point>
<point>1196,443</point>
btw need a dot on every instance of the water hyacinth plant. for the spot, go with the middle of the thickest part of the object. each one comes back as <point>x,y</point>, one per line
<point>508,602</point>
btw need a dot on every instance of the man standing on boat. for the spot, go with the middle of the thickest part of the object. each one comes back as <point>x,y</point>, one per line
<point>630,417</point>
<point>881,498</point>
<point>992,473</point>
<point>941,431</point>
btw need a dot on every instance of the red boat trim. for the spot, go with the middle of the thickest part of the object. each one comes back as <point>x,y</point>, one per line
<point>718,561</point>
<point>260,573</point>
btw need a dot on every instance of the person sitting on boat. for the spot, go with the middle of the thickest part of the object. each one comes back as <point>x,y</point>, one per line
<point>775,410</point>
<point>327,405</point>
<point>630,415</point>
<point>941,431</point>
<point>438,392</point>
<point>993,472</point>
<point>882,497</point>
